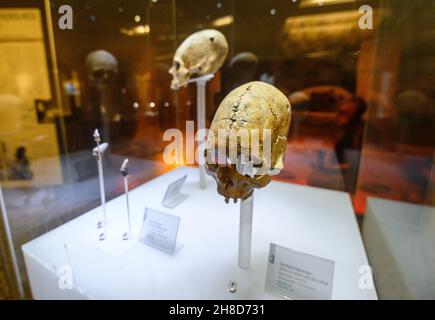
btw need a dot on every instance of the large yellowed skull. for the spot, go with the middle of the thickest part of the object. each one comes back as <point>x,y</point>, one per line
<point>247,139</point>
<point>202,53</point>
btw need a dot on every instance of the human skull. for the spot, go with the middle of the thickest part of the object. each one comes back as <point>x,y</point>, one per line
<point>101,65</point>
<point>263,111</point>
<point>202,53</point>
<point>242,68</point>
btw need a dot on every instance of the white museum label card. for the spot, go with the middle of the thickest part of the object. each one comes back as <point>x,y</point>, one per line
<point>159,230</point>
<point>298,275</point>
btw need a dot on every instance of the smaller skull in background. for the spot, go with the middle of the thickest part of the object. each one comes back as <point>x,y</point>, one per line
<point>101,65</point>
<point>201,53</point>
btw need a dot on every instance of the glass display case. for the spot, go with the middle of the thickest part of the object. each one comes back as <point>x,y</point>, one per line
<point>345,88</point>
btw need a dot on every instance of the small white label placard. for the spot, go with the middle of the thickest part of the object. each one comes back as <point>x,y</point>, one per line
<point>298,275</point>
<point>159,230</point>
<point>173,197</point>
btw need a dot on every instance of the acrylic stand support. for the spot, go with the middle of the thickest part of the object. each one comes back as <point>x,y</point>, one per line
<point>245,232</point>
<point>201,83</point>
<point>73,275</point>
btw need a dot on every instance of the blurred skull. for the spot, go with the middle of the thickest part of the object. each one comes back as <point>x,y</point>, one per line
<point>202,53</point>
<point>101,65</point>
<point>261,111</point>
<point>242,69</point>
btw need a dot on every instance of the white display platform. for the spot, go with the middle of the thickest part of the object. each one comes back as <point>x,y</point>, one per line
<point>315,221</point>
<point>400,240</point>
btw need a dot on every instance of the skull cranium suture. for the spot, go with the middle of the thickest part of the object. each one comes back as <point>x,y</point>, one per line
<point>202,53</point>
<point>255,105</point>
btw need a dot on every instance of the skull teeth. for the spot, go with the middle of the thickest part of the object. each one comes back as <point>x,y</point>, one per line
<point>227,200</point>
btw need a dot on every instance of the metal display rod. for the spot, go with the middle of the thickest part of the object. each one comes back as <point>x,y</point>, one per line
<point>245,167</point>
<point>245,232</point>
<point>201,83</point>
<point>98,155</point>
<point>124,172</point>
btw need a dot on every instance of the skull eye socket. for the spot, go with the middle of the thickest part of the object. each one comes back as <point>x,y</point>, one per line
<point>212,39</point>
<point>98,73</point>
<point>211,167</point>
<point>177,65</point>
<point>259,164</point>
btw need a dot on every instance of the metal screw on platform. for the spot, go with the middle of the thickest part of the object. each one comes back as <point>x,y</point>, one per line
<point>232,286</point>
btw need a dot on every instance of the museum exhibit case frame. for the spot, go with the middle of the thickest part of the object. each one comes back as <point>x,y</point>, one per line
<point>109,186</point>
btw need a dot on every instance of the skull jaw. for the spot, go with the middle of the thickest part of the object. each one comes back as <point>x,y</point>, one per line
<point>233,185</point>
<point>234,192</point>
<point>180,75</point>
<point>178,83</point>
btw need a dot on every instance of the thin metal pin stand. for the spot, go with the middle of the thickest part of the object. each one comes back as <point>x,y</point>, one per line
<point>124,172</point>
<point>98,155</point>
